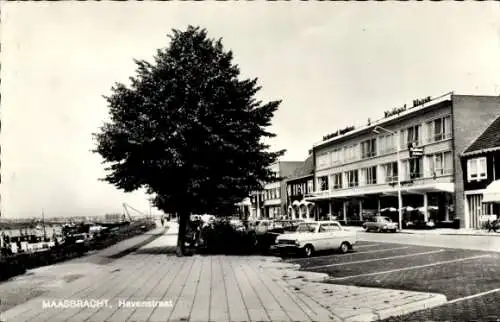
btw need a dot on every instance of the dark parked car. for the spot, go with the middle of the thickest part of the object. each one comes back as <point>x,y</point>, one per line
<point>380,224</point>
<point>267,238</point>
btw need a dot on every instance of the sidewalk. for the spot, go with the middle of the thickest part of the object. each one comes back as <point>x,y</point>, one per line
<point>45,279</point>
<point>216,288</point>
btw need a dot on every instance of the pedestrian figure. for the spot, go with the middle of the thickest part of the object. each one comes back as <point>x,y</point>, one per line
<point>162,221</point>
<point>492,226</point>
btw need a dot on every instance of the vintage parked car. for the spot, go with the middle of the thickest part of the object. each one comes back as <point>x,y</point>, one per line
<point>316,236</point>
<point>264,225</point>
<point>380,224</point>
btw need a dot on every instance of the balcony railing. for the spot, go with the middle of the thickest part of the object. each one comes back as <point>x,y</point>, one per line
<point>442,172</point>
<point>439,137</point>
<point>369,154</point>
<point>415,143</point>
<point>352,184</point>
<point>391,179</point>
<point>371,181</point>
<point>386,150</point>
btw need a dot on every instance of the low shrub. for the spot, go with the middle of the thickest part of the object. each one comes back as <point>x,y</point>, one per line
<point>222,237</point>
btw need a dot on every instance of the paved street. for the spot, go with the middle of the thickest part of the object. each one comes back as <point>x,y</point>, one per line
<point>217,288</point>
<point>470,279</point>
<point>490,242</point>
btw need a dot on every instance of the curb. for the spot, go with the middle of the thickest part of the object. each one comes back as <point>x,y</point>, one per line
<point>450,234</point>
<point>434,300</point>
<point>483,235</point>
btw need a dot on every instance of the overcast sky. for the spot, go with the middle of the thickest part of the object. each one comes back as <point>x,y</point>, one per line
<point>332,64</point>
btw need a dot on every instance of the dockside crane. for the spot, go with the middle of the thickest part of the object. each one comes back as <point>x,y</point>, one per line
<point>126,207</point>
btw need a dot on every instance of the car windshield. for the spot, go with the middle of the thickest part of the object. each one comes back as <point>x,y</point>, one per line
<point>386,219</point>
<point>306,228</point>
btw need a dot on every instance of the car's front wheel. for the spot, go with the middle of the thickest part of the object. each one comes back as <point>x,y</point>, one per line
<point>344,247</point>
<point>308,250</point>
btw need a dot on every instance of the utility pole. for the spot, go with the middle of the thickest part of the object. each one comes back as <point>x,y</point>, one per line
<point>150,206</point>
<point>43,225</point>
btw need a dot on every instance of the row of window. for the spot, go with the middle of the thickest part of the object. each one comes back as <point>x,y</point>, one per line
<point>437,130</point>
<point>437,164</point>
<point>297,189</point>
<point>273,193</point>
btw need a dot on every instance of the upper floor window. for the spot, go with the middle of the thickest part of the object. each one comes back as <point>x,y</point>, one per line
<point>351,177</point>
<point>440,163</point>
<point>278,193</point>
<point>323,183</point>
<point>386,144</point>
<point>336,156</point>
<point>413,168</point>
<point>391,172</point>
<point>323,160</point>
<point>337,181</point>
<point>411,135</point>
<point>439,129</point>
<point>350,153</point>
<point>370,175</point>
<point>476,169</point>
<point>368,148</point>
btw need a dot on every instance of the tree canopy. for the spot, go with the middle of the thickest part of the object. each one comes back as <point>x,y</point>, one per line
<point>188,129</point>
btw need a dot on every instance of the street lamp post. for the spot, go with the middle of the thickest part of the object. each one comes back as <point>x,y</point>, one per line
<point>377,129</point>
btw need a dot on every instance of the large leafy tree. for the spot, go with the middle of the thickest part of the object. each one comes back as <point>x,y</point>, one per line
<point>188,130</point>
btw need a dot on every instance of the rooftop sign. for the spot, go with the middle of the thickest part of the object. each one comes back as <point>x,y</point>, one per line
<point>418,104</point>
<point>399,110</point>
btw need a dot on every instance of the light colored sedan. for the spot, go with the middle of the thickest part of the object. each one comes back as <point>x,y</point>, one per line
<point>316,236</point>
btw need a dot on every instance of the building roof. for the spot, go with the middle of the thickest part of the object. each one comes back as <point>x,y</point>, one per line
<point>386,120</point>
<point>306,169</point>
<point>489,140</point>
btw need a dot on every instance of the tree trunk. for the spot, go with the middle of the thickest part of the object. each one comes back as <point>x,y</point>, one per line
<point>182,218</point>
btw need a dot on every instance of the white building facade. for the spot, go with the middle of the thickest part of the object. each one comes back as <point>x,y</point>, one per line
<point>356,173</point>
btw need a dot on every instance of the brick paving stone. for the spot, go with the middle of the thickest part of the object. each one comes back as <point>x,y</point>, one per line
<point>219,310</point>
<point>171,269</point>
<point>173,292</point>
<point>200,310</point>
<point>292,287</point>
<point>33,309</point>
<point>454,280</point>
<point>272,306</point>
<point>237,309</point>
<point>121,314</point>
<point>185,298</point>
<point>110,290</point>
<point>287,302</point>
<point>230,288</point>
<point>484,308</point>
<point>81,287</point>
<point>255,307</point>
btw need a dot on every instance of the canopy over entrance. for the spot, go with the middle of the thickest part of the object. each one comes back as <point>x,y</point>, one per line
<point>492,192</point>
